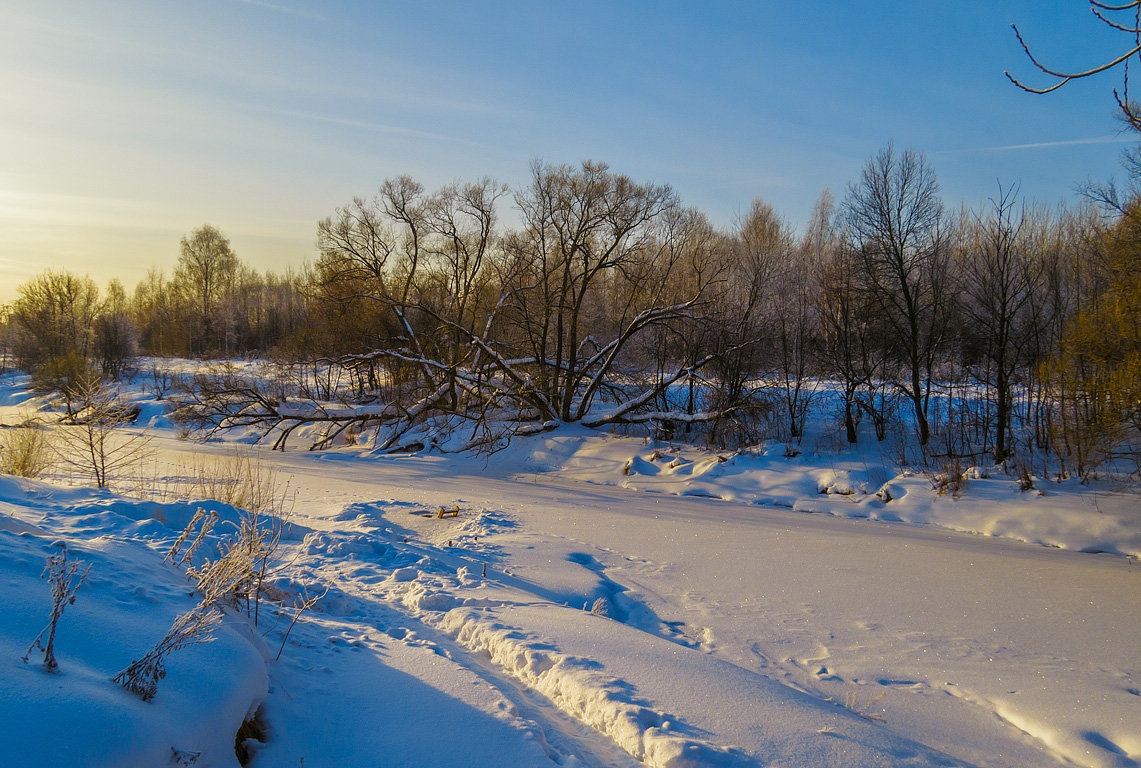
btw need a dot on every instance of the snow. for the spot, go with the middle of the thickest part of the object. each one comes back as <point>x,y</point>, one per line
<point>75,715</point>
<point>758,610</point>
<point>861,484</point>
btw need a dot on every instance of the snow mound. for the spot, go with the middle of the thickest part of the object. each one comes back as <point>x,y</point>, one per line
<point>591,675</point>
<point>860,484</point>
<point>76,715</point>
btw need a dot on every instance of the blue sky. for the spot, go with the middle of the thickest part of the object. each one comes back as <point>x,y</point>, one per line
<point>124,125</point>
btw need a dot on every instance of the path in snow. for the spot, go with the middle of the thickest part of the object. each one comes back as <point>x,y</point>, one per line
<point>991,651</point>
<point>734,632</point>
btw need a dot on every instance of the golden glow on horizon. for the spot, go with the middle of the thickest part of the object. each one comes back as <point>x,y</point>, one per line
<point>110,237</point>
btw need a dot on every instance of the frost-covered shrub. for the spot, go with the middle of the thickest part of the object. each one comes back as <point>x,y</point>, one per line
<point>221,584</point>
<point>195,626</point>
<point>63,575</point>
<point>951,480</point>
<point>1025,479</point>
<point>238,575</point>
<point>203,521</point>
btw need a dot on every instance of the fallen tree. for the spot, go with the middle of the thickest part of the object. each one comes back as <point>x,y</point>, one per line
<point>495,336</point>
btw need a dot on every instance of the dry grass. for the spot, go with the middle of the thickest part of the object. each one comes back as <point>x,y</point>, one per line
<point>864,708</point>
<point>25,450</point>
<point>241,480</point>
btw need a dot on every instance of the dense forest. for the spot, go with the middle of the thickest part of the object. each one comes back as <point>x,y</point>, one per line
<point>1011,330</point>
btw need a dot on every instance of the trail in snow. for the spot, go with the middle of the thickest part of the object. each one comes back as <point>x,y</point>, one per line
<point>957,630</point>
<point>614,680</point>
<point>736,634</point>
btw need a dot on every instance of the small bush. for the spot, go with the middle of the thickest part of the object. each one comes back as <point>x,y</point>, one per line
<point>1025,479</point>
<point>951,480</point>
<point>93,444</point>
<point>25,451</point>
<point>143,675</point>
<point>63,575</point>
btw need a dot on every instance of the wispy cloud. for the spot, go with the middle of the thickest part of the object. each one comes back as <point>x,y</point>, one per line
<point>286,9</point>
<point>43,214</point>
<point>367,125</point>
<point>39,209</point>
<point>1068,143</point>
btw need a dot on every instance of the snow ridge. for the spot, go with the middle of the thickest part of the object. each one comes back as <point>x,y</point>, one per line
<point>648,735</point>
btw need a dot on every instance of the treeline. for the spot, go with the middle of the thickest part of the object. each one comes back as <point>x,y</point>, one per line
<point>62,324</point>
<point>1008,330</point>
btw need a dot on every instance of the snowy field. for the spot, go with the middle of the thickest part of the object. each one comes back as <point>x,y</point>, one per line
<point>597,601</point>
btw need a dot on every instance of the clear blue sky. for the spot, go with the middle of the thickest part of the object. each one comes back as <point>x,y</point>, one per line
<point>124,125</point>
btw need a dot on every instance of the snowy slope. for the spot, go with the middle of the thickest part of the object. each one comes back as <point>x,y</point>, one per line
<point>861,483</point>
<point>730,628</point>
<point>76,715</point>
<point>992,652</point>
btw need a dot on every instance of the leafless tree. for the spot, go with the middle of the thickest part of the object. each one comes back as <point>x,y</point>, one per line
<point>1109,14</point>
<point>93,441</point>
<point>743,337</point>
<point>206,270</point>
<point>584,230</point>
<point>694,254</point>
<point>523,331</point>
<point>895,219</point>
<point>52,318</point>
<point>116,338</point>
<point>1000,277</point>
<point>851,340</point>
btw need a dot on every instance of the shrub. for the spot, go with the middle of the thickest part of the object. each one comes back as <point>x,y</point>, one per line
<point>25,451</point>
<point>65,582</point>
<point>952,479</point>
<point>93,444</point>
<point>143,675</point>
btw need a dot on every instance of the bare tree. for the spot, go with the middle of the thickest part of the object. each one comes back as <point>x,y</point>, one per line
<point>206,269</point>
<point>500,335</point>
<point>742,339</point>
<point>53,318</point>
<point>851,339</point>
<point>156,308</point>
<point>116,337</point>
<point>894,217</point>
<point>693,254</point>
<point>999,280</point>
<point>93,443</point>
<point>1110,15</point>
<point>582,228</point>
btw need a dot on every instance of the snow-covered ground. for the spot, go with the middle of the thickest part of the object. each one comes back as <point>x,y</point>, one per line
<point>730,628</point>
